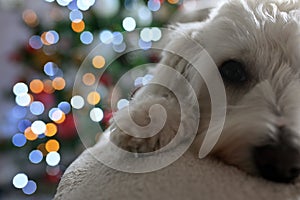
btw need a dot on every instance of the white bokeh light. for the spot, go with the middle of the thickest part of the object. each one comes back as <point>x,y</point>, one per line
<point>122,103</point>
<point>96,114</point>
<point>38,127</point>
<point>23,100</point>
<point>129,24</point>
<point>53,158</point>
<point>77,102</point>
<point>20,89</point>
<point>20,180</point>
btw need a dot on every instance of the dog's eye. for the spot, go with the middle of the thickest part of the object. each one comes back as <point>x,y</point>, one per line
<point>233,71</point>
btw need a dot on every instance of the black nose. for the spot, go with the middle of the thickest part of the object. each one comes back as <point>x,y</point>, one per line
<point>278,162</point>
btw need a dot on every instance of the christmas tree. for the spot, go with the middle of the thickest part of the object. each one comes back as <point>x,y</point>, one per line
<point>47,140</point>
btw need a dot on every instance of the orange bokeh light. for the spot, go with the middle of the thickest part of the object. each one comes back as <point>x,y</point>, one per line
<point>78,26</point>
<point>36,86</point>
<point>59,83</point>
<point>52,145</point>
<point>88,79</point>
<point>98,62</point>
<point>93,98</point>
<point>48,86</point>
<point>30,135</point>
<point>51,130</point>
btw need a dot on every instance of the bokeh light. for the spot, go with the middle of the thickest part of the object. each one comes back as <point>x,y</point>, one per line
<point>129,24</point>
<point>35,156</point>
<point>51,129</point>
<point>93,98</point>
<point>77,102</point>
<point>55,114</point>
<point>50,69</point>
<point>64,106</point>
<point>48,88</point>
<point>52,145</point>
<point>37,108</point>
<point>144,45</point>
<point>88,79</point>
<point>86,37</point>
<point>78,26</point>
<point>53,171</point>
<point>119,48</point>
<point>96,114</point>
<point>63,2</point>
<point>23,124</point>
<point>98,62</point>
<point>42,148</point>
<point>23,100</point>
<point>35,42</point>
<point>173,1</point>
<point>29,134</point>
<point>76,15</point>
<point>19,140</point>
<point>106,37</point>
<point>59,83</point>
<point>20,89</point>
<point>38,127</point>
<point>52,37</point>
<point>30,188</point>
<point>36,86</point>
<point>147,78</point>
<point>85,4</point>
<point>154,5</point>
<point>19,112</point>
<point>156,34</point>
<point>30,18</point>
<point>117,38</point>
<point>53,158</point>
<point>20,180</point>
<point>122,103</point>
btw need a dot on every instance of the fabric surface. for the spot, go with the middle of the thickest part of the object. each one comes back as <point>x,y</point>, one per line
<point>187,178</point>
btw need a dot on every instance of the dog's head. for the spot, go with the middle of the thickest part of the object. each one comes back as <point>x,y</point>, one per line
<point>255,44</point>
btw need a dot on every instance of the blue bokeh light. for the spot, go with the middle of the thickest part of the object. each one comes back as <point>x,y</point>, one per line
<point>50,69</point>
<point>35,42</point>
<point>30,188</point>
<point>86,37</point>
<point>65,107</point>
<point>75,15</point>
<point>37,108</point>
<point>23,124</point>
<point>19,140</point>
<point>19,112</point>
<point>36,156</point>
<point>153,5</point>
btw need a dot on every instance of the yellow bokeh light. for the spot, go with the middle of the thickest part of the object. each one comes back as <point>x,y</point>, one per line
<point>93,98</point>
<point>59,83</point>
<point>52,145</point>
<point>30,135</point>
<point>78,26</point>
<point>98,62</point>
<point>62,119</point>
<point>36,86</point>
<point>42,148</point>
<point>88,79</point>
<point>173,1</point>
<point>30,18</point>
<point>48,86</point>
<point>51,130</point>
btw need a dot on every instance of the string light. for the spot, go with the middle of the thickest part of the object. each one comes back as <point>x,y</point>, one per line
<point>78,26</point>
<point>30,188</point>
<point>38,127</point>
<point>59,83</point>
<point>19,140</point>
<point>77,102</point>
<point>52,145</point>
<point>53,158</point>
<point>30,135</point>
<point>20,89</point>
<point>86,37</point>
<point>35,156</point>
<point>20,180</point>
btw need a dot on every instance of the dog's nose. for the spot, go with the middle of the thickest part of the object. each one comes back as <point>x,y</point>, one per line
<point>278,162</point>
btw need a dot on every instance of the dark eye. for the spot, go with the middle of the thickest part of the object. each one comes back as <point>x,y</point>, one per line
<point>233,71</point>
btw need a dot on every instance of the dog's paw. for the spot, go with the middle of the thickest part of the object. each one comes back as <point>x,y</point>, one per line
<point>144,127</point>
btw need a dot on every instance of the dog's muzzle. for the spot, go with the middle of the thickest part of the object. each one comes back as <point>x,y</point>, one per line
<point>279,161</point>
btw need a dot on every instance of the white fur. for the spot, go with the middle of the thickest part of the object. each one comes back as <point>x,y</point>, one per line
<point>263,34</point>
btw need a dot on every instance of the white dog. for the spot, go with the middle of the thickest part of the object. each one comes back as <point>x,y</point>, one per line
<point>255,44</point>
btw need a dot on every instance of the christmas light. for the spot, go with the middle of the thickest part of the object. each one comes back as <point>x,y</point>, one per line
<point>98,62</point>
<point>20,89</point>
<point>96,114</point>
<point>129,24</point>
<point>93,98</point>
<point>88,79</point>
<point>35,156</point>
<point>77,102</point>
<point>19,140</point>
<point>20,180</point>
<point>53,158</point>
<point>30,188</point>
<point>122,103</point>
<point>86,37</point>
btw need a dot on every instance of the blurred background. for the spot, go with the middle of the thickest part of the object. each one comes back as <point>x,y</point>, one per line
<point>43,43</point>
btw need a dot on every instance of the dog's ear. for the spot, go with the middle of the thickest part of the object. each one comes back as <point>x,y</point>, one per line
<point>195,11</point>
